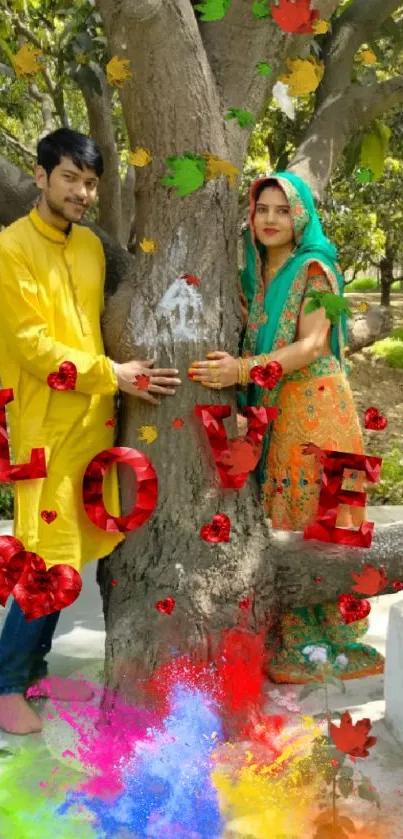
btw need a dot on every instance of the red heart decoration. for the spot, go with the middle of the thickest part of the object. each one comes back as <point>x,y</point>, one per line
<point>268,375</point>
<point>397,585</point>
<point>218,530</point>
<point>352,609</point>
<point>12,561</point>
<point>110,423</point>
<point>374,420</point>
<point>246,603</point>
<point>48,516</point>
<point>41,592</point>
<point>166,606</point>
<point>66,377</point>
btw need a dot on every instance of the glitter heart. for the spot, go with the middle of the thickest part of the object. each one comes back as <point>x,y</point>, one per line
<point>166,606</point>
<point>374,420</point>
<point>352,609</point>
<point>110,423</point>
<point>48,516</point>
<point>268,375</point>
<point>41,592</point>
<point>218,530</point>
<point>65,378</point>
<point>12,561</point>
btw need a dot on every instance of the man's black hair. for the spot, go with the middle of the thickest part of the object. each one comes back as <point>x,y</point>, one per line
<point>64,142</point>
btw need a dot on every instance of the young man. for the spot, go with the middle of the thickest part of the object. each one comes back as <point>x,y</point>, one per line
<point>52,273</point>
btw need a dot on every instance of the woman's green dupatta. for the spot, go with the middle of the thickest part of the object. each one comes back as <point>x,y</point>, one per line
<point>266,309</point>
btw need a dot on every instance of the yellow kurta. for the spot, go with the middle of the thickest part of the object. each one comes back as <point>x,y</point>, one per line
<point>51,301</point>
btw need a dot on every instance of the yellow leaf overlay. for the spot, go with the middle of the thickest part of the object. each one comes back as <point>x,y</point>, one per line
<point>363,307</point>
<point>148,433</point>
<point>367,56</point>
<point>321,27</point>
<point>305,75</point>
<point>139,157</point>
<point>148,245</point>
<point>26,61</point>
<point>117,72</point>
<point>217,167</point>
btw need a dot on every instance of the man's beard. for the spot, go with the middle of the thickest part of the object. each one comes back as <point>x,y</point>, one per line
<point>59,209</point>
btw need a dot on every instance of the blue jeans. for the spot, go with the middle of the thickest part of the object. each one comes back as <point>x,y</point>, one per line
<point>23,647</point>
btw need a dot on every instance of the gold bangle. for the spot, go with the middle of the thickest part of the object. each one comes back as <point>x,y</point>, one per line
<point>243,373</point>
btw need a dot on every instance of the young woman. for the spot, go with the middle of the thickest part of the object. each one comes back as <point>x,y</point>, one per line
<point>286,256</point>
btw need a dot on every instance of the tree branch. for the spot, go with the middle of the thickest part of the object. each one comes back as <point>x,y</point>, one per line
<point>46,103</point>
<point>340,116</point>
<point>101,129</point>
<point>358,24</point>
<point>10,138</point>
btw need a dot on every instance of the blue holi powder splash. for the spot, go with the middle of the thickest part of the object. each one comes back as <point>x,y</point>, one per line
<point>168,790</point>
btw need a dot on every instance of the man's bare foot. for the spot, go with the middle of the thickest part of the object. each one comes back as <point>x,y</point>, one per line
<point>16,717</point>
<point>66,690</point>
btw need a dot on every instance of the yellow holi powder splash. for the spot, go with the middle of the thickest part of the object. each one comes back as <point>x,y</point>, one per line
<point>269,800</point>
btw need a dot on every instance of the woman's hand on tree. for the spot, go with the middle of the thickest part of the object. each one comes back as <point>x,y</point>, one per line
<point>132,378</point>
<point>219,370</point>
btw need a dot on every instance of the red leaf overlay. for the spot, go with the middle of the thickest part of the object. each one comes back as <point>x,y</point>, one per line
<point>23,471</point>
<point>114,583</point>
<point>190,279</point>
<point>374,420</point>
<point>397,585</point>
<point>312,448</point>
<point>12,561</point>
<point>267,375</point>
<point>41,592</point>
<point>177,423</point>
<point>110,423</point>
<point>295,16</point>
<point>241,457</point>
<point>352,739</point>
<point>48,516</point>
<point>166,606</point>
<point>219,529</point>
<point>65,378</point>
<point>352,609</point>
<point>142,382</point>
<point>370,580</point>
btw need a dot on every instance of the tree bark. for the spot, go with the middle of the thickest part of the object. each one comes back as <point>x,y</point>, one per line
<point>386,266</point>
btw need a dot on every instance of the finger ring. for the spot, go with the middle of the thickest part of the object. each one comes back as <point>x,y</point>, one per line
<point>214,364</point>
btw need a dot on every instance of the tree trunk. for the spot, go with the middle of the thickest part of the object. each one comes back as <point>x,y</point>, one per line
<point>386,266</point>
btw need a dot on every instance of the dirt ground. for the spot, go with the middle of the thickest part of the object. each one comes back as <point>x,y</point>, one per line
<point>376,384</point>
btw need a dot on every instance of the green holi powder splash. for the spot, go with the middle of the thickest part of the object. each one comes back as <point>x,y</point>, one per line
<point>32,786</point>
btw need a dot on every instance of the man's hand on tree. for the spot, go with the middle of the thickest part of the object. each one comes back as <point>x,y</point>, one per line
<point>161,380</point>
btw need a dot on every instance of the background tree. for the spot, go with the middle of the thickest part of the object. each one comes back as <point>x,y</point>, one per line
<point>187,71</point>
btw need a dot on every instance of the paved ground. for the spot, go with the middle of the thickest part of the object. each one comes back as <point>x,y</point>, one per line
<point>79,644</point>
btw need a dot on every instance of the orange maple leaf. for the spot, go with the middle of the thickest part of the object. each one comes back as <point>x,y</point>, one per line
<point>190,279</point>
<point>370,580</point>
<point>141,382</point>
<point>177,423</point>
<point>117,71</point>
<point>352,739</point>
<point>241,456</point>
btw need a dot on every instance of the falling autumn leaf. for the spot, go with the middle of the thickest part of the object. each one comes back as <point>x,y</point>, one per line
<point>148,246</point>
<point>304,76</point>
<point>148,433</point>
<point>370,581</point>
<point>139,157</point>
<point>26,61</point>
<point>312,448</point>
<point>117,71</point>
<point>263,68</point>
<point>367,57</point>
<point>177,423</point>
<point>295,16</point>
<point>321,27</point>
<point>241,457</point>
<point>190,279</point>
<point>363,307</point>
<point>141,382</point>
<point>352,739</point>
<point>217,167</point>
<point>243,118</point>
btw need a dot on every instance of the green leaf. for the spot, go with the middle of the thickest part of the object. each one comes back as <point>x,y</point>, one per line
<point>260,9</point>
<point>188,173</point>
<point>347,772</point>
<point>88,80</point>
<point>243,118</point>
<point>263,68</point>
<point>368,794</point>
<point>374,148</point>
<point>213,9</point>
<point>311,687</point>
<point>312,306</point>
<point>345,786</point>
